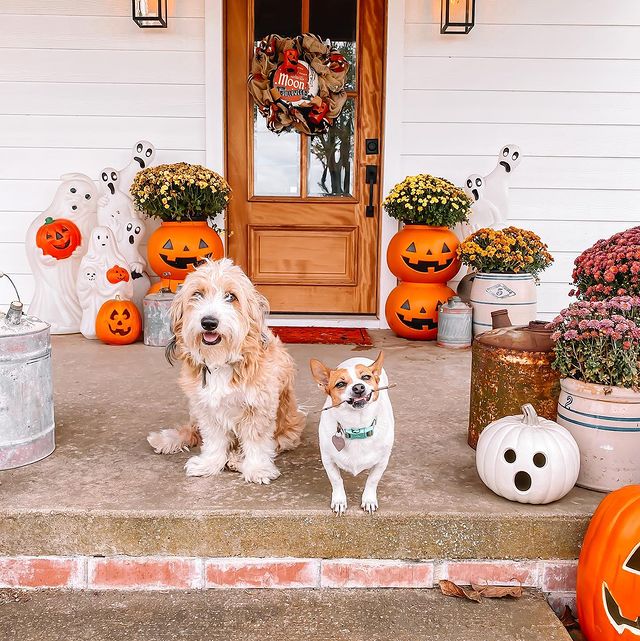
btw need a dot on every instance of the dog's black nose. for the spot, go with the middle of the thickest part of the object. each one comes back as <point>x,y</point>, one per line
<point>358,389</point>
<point>209,323</point>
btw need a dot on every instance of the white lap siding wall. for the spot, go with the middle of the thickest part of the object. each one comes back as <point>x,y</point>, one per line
<point>79,84</point>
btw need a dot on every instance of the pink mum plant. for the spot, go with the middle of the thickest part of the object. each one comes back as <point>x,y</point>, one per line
<point>610,268</point>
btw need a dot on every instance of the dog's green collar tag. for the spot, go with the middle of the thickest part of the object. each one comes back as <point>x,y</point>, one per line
<point>357,433</point>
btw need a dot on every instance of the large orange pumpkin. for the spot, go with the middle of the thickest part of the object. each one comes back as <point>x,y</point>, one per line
<point>424,254</point>
<point>175,248</point>
<point>412,309</point>
<point>608,589</point>
<point>118,322</point>
<point>58,237</point>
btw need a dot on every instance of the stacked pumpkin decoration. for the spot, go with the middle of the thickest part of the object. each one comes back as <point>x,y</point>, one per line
<point>423,255</point>
<point>608,586</point>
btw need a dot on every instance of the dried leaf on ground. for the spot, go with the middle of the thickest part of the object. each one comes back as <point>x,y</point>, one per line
<point>13,596</point>
<point>449,588</point>
<point>498,591</point>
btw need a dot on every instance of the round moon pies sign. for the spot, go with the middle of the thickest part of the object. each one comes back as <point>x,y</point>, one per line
<point>298,83</point>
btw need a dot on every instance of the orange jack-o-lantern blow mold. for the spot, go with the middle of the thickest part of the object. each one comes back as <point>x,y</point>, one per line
<point>424,254</point>
<point>175,248</point>
<point>608,588</point>
<point>58,237</point>
<point>117,274</point>
<point>412,309</point>
<point>118,322</point>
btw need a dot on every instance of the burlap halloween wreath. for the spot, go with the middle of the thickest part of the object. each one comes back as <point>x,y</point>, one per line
<point>298,83</point>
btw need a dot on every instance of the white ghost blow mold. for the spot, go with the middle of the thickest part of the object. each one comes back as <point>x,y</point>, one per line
<point>129,238</point>
<point>93,285</point>
<point>55,300</point>
<point>496,184</point>
<point>114,206</point>
<point>483,212</point>
<point>142,156</point>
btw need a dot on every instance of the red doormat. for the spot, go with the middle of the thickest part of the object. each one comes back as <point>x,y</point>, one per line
<point>323,335</point>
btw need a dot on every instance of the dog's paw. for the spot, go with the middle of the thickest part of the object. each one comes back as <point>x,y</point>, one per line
<point>262,474</point>
<point>234,461</point>
<point>339,502</point>
<point>165,441</point>
<point>369,503</point>
<point>203,466</point>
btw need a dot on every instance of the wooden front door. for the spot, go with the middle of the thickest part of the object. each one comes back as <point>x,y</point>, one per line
<point>298,216</point>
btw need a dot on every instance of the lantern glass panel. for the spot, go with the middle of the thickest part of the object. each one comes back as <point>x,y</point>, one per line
<point>457,16</point>
<point>150,13</point>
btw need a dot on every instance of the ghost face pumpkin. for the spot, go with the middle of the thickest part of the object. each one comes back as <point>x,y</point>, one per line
<point>412,309</point>
<point>527,458</point>
<point>423,254</point>
<point>58,238</point>
<point>118,322</point>
<point>175,248</point>
<point>608,588</point>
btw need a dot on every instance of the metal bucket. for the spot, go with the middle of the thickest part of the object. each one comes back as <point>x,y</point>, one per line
<point>455,324</point>
<point>27,428</point>
<point>157,324</point>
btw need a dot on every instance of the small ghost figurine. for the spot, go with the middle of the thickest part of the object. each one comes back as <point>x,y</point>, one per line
<point>103,273</point>
<point>55,300</point>
<point>483,212</point>
<point>142,156</point>
<point>114,206</point>
<point>129,238</point>
<point>497,182</point>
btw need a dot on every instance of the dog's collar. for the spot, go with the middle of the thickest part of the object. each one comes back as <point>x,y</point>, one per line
<point>358,432</point>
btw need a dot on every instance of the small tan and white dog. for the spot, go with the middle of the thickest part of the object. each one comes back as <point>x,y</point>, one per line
<point>356,426</point>
<point>237,375</point>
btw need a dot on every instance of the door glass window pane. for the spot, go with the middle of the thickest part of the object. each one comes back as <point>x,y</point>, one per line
<point>276,160</point>
<point>337,20</point>
<point>283,17</point>
<point>331,157</point>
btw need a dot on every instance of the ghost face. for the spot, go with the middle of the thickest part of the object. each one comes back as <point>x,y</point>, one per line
<point>101,239</point>
<point>475,186</point>
<point>509,158</point>
<point>78,197</point>
<point>109,179</point>
<point>143,153</point>
<point>134,232</point>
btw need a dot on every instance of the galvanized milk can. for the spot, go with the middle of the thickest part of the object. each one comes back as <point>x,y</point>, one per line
<point>455,324</point>
<point>511,366</point>
<point>27,428</point>
<point>157,324</point>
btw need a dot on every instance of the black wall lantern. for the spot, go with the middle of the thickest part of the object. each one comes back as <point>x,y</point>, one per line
<point>457,16</point>
<point>150,14</point>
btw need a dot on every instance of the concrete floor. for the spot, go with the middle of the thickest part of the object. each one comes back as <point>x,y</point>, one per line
<point>287,615</point>
<point>108,398</point>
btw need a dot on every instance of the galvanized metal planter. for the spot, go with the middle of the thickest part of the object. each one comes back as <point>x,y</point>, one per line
<point>27,428</point>
<point>157,324</point>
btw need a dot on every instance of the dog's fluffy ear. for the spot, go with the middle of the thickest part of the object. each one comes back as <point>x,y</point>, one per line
<point>176,312</point>
<point>320,372</point>
<point>376,366</point>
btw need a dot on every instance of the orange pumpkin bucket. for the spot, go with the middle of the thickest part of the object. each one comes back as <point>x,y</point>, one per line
<point>424,254</point>
<point>175,248</point>
<point>118,322</point>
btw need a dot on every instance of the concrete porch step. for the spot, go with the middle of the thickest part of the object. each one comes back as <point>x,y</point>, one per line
<point>104,492</point>
<point>262,615</point>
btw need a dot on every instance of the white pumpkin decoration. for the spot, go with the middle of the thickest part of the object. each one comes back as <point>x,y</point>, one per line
<point>527,458</point>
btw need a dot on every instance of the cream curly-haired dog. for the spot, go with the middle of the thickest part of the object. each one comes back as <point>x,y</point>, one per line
<point>237,375</point>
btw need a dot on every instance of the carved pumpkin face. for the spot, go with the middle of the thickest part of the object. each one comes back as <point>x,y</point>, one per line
<point>58,237</point>
<point>423,254</point>
<point>117,274</point>
<point>609,569</point>
<point>118,322</point>
<point>412,309</point>
<point>175,248</point>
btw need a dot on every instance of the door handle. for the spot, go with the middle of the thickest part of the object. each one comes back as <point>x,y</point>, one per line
<point>371,178</point>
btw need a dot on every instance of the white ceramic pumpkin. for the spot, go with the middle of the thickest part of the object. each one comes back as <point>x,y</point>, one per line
<point>527,458</point>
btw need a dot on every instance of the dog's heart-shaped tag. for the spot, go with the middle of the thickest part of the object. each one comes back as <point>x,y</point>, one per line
<point>338,442</point>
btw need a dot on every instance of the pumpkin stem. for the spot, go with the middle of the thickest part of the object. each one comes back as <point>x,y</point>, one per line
<point>48,220</point>
<point>529,416</point>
